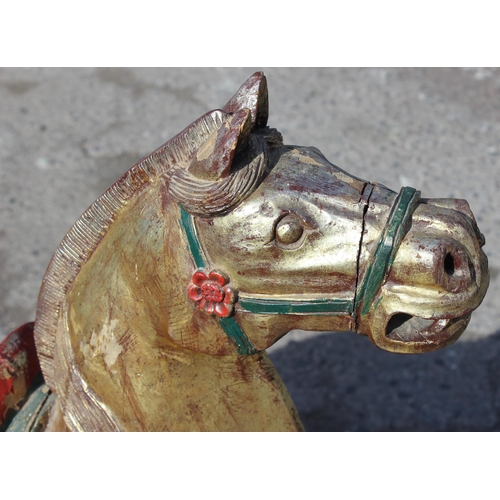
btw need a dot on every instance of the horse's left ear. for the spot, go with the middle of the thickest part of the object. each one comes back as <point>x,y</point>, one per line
<point>252,95</point>
<point>214,158</point>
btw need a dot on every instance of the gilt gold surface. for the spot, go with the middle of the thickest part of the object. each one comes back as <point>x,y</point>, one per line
<point>124,345</point>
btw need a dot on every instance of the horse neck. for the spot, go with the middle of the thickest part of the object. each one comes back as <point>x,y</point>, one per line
<point>128,315</point>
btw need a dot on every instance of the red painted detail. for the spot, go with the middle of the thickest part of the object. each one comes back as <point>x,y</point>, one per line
<point>18,367</point>
<point>212,293</point>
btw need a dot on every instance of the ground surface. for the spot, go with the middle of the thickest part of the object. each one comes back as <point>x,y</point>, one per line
<point>67,134</point>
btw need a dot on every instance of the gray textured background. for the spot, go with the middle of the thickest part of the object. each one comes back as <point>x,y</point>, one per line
<point>67,134</point>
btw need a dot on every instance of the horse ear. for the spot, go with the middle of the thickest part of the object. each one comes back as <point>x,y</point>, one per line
<point>252,95</point>
<point>214,158</point>
<point>246,111</point>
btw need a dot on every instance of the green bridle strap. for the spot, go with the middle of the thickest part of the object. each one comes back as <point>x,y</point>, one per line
<point>269,305</point>
<point>388,244</point>
<point>390,239</point>
<point>187,223</point>
<point>378,269</point>
<point>234,332</point>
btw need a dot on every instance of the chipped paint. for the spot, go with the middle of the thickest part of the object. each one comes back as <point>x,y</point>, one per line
<point>104,343</point>
<point>19,367</point>
<point>207,148</point>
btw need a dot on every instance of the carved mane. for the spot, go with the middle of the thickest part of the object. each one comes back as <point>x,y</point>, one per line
<point>84,237</point>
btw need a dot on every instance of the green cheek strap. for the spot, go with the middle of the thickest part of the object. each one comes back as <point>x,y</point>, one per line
<point>233,331</point>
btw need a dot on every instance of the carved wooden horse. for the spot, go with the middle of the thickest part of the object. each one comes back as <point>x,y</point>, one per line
<point>158,305</point>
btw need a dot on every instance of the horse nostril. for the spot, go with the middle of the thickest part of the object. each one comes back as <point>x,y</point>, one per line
<point>456,270</point>
<point>449,264</point>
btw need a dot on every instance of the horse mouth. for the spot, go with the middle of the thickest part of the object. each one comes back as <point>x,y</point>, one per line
<point>430,333</point>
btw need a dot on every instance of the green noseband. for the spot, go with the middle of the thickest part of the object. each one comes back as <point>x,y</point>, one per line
<point>387,246</point>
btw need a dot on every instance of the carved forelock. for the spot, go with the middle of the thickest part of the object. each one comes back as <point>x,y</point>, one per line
<point>208,168</point>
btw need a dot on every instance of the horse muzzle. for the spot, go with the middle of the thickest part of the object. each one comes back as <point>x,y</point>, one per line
<point>438,278</point>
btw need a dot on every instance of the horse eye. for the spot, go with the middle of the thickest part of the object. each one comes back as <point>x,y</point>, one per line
<point>289,229</point>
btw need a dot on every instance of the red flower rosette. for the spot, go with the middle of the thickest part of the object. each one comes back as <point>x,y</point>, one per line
<point>212,293</point>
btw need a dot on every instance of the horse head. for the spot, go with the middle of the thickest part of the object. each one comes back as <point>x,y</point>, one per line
<point>220,242</point>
